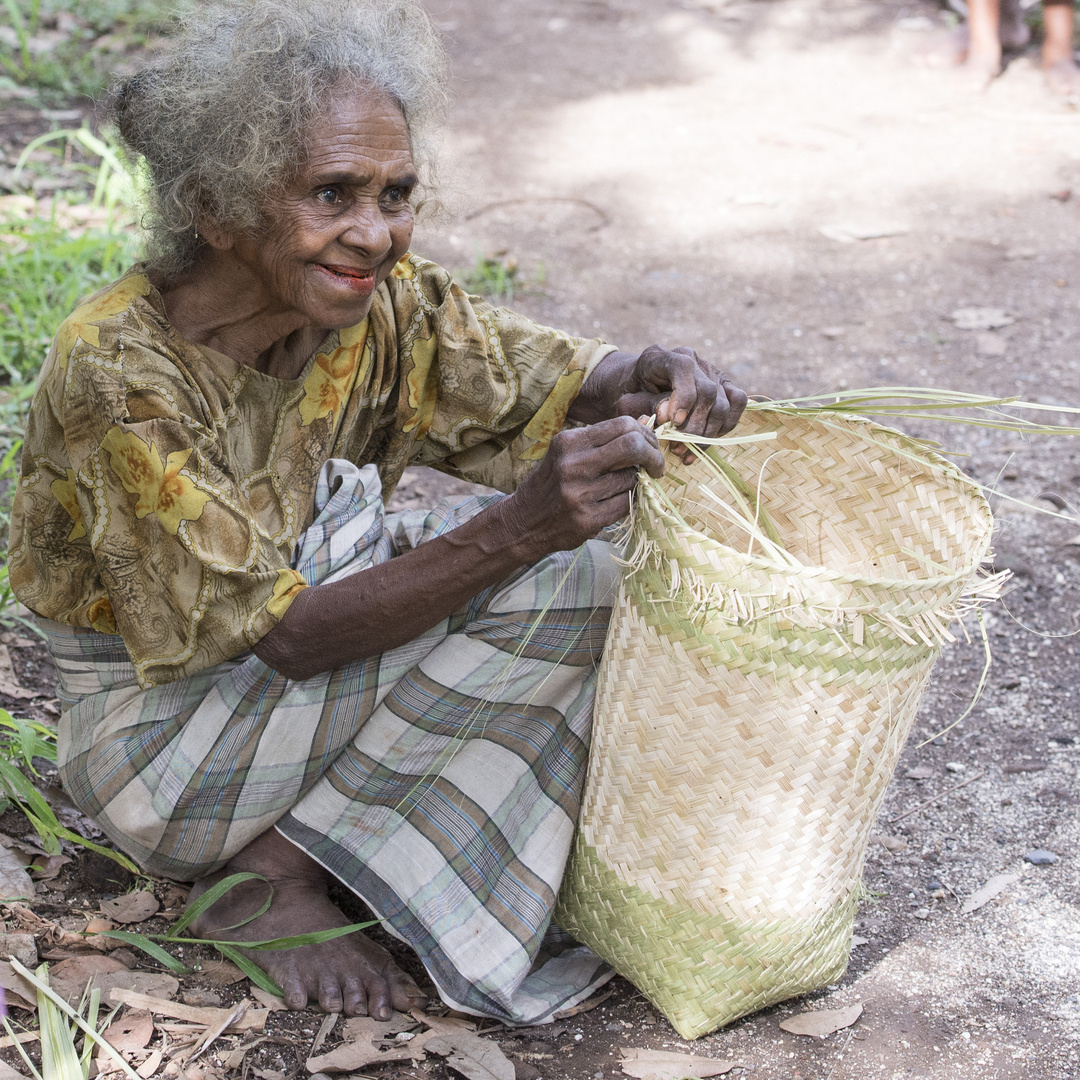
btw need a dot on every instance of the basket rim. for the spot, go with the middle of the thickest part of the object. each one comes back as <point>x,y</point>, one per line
<point>934,461</point>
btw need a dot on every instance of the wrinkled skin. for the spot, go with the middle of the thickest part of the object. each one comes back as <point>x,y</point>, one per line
<point>334,235</point>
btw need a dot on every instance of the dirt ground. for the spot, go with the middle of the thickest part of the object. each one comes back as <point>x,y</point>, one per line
<point>681,173</point>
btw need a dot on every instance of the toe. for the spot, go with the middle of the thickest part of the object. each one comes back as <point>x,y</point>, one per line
<point>330,999</point>
<point>294,993</point>
<point>404,993</point>
<point>378,999</point>
<point>355,1000</point>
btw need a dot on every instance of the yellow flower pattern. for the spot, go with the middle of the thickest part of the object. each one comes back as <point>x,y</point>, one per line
<point>64,490</point>
<point>163,490</point>
<point>423,387</point>
<point>164,485</point>
<point>289,583</point>
<point>83,321</point>
<point>332,377</point>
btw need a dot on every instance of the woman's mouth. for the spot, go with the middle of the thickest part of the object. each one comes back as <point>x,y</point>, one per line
<point>360,282</point>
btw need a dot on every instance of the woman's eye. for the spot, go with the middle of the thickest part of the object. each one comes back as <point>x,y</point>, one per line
<point>397,196</point>
<point>327,196</point>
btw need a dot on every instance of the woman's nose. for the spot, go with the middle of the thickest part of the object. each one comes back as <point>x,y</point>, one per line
<point>367,231</point>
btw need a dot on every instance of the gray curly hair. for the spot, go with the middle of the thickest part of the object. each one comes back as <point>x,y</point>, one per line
<point>221,117</point>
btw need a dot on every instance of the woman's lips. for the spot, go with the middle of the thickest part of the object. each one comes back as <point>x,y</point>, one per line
<point>361,282</point>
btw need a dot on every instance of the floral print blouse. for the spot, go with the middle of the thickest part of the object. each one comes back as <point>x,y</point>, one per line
<point>164,485</point>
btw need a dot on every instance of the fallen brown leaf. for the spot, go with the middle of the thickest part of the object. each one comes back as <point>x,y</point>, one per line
<point>154,983</point>
<point>920,772</point>
<point>20,991</point>
<point>132,907</point>
<point>9,681</point>
<point>48,867</point>
<point>131,1032</point>
<point>268,1001</point>
<point>582,1006</point>
<point>358,1049</point>
<point>221,972</point>
<point>822,1022</point>
<point>252,1020</point>
<point>8,1072</point>
<point>471,1055</point>
<point>667,1065</point>
<point>994,887</point>
<point>69,977</point>
<point>15,882</point>
<point>150,1065</point>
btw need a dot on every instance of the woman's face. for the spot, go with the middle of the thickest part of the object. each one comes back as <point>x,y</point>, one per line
<point>345,219</point>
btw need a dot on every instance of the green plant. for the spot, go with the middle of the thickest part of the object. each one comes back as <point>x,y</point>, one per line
<point>148,943</point>
<point>21,741</point>
<point>494,276</point>
<point>60,1027</point>
<point>78,60</point>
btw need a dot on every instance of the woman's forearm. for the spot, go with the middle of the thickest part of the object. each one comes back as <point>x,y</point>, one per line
<point>394,602</point>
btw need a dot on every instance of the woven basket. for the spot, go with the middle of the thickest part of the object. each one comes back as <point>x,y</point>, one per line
<point>752,708</point>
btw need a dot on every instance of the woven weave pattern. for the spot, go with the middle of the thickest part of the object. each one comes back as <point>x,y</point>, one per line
<point>752,706</point>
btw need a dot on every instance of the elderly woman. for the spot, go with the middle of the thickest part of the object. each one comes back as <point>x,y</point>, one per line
<point>204,472</point>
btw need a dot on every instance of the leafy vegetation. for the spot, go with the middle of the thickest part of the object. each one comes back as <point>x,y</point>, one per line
<point>67,48</point>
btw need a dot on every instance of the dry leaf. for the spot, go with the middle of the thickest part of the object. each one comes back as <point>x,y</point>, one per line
<point>221,972</point>
<point>350,1056</point>
<point>48,867</point>
<point>920,772</point>
<point>9,682</point>
<point>131,1032</point>
<point>994,887</point>
<point>850,232</point>
<point>268,1001</point>
<point>15,882</point>
<point>150,1065</point>
<point>582,1007</point>
<point>666,1065</point>
<point>981,318</point>
<point>857,940</point>
<point>132,907</point>
<point>442,1024</point>
<point>20,991</point>
<point>7,1072</point>
<point>155,983</point>
<point>472,1056</point>
<point>69,978</point>
<point>252,1020</point>
<point>822,1022</point>
<point>890,843</point>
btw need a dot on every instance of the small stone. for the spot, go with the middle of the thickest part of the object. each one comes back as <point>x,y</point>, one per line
<point>201,998</point>
<point>1040,857</point>
<point>524,1071</point>
<point>955,766</point>
<point>922,913</point>
<point>933,885</point>
<point>22,947</point>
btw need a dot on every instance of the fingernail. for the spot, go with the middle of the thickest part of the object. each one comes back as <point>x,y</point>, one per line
<point>680,417</point>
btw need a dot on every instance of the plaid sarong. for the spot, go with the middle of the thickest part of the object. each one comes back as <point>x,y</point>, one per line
<point>440,781</point>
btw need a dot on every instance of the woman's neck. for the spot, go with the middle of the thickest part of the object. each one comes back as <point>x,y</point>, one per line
<point>217,304</point>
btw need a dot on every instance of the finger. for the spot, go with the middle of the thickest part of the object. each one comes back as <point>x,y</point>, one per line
<point>675,369</point>
<point>635,449</point>
<point>607,431</point>
<point>737,400</point>
<point>710,400</point>
<point>639,404</point>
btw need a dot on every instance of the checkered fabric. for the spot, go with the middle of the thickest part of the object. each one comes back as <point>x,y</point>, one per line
<point>440,781</point>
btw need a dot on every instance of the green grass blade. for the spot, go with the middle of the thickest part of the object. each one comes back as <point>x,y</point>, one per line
<point>141,941</point>
<point>212,896</point>
<point>250,969</point>
<point>22,1053</point>
<point>44,989</point>
<point>109,853</point>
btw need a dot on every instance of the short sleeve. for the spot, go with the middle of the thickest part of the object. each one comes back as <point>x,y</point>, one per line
<point>483,389</point>
<point>126,476</point>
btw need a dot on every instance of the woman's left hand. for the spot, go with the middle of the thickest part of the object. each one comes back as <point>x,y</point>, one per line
<point>675,385</point>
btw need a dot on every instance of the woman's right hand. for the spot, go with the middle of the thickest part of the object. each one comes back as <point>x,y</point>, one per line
<point>581,486</point>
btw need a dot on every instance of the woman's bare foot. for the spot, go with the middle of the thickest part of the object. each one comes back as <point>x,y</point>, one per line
<point>1063,78</point>
<point>978,73</point>
<point>349,974</point>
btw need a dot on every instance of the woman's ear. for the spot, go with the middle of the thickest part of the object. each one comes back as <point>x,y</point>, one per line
<point>219,239</point>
